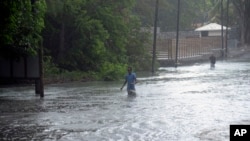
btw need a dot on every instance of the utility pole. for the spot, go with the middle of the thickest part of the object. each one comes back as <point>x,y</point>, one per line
<point>222,36</point>
<point>177,34</point>
<point>227,29</point>
<point>155,33</point>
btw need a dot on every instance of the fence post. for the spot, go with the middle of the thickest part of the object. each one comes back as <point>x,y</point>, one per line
<point>155,32</point>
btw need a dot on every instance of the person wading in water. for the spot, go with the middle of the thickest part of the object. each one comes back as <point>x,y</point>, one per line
<point>130,79</point>
<point>212,61</point>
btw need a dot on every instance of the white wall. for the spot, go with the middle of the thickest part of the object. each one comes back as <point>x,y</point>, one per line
<point>215,33</point>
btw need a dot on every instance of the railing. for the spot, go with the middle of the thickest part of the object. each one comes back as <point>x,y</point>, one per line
<point>187,48</point>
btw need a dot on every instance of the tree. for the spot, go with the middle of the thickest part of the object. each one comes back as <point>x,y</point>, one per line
<point>21,26</point>
<point>243,9</point>
<point>191,12</point>
<point>91,35</point>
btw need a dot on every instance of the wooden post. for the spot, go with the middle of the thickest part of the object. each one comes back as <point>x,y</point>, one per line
<point>41,73</point>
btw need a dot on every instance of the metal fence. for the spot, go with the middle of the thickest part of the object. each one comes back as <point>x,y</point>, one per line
<point>187,47</point>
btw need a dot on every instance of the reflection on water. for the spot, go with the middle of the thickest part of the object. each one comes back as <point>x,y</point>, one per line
<point>188,103</point>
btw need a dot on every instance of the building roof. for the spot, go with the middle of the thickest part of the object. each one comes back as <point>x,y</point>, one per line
<point>211,27</point>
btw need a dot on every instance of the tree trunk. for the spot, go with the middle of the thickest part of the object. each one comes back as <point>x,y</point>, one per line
<point>240,7</point>
<point>247,22</point>
<point>242,32</point>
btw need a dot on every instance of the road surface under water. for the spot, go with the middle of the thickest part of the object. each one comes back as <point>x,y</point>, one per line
<point>190,103</point>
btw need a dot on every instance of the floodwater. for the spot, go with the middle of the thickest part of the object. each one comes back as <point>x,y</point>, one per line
<point>190,103</point>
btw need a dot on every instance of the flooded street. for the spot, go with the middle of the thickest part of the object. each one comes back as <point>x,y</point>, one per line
<point>190,103</point>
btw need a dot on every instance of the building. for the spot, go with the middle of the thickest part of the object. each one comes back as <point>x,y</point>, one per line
<point>211,29</point>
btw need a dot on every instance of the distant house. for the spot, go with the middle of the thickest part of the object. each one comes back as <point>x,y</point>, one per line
<point>212,29</point>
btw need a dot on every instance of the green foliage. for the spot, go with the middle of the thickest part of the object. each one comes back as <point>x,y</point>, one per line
<point>49,67</point>
<point>88,49</point>
<point>138,47</point>
<point>22,23</point>
<point>111,71</point>
<point>55,74</point>
<point>94,36</point>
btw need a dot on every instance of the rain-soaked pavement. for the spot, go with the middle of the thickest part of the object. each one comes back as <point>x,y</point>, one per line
<point>190,103</point>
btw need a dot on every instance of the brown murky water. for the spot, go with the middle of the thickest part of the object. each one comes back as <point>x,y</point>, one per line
<point>189,103</point>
